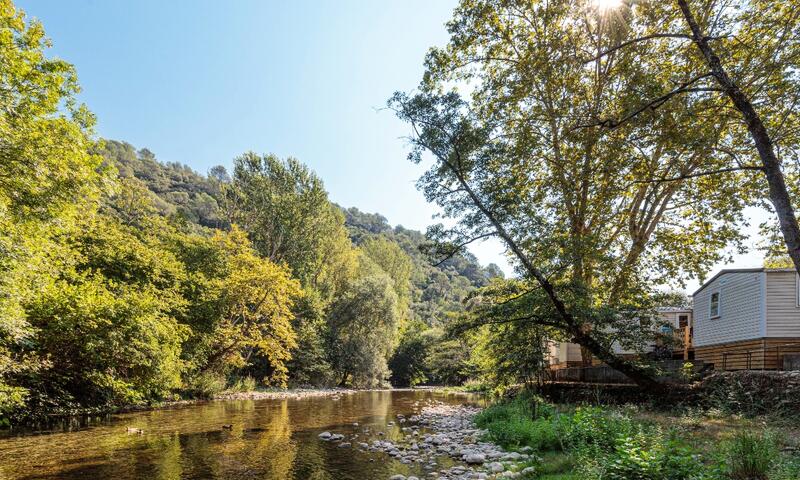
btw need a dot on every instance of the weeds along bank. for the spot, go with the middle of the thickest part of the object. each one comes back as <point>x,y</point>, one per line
<point>590,442</point>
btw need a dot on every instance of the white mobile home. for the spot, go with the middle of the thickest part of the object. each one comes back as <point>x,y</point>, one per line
<point>747,318</point>
<point>566,354</point>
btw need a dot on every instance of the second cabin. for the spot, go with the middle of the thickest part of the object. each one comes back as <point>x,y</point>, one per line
<point>747,318</point>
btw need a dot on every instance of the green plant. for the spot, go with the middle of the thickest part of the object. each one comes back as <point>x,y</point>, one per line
<point>206,385</point>
<point>595,426</point>
<point>750,456</point>
<point>243,384</point>
<point>686,372</point>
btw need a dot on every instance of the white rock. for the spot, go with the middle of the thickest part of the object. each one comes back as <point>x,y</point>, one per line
<point>474,458</point>
<point>496,467</point>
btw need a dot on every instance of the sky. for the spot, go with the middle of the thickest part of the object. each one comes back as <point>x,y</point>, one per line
<point>200,82</point>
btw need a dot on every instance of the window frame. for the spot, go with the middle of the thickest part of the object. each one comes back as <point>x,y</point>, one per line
<point>711,315</point>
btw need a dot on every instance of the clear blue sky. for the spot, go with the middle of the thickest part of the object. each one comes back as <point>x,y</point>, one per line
<point>199,82</point>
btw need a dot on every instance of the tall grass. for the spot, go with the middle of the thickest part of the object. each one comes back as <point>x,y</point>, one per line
<point>750,457</point>
<point>605,444</point>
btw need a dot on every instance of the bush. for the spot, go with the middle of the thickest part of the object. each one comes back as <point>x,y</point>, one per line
<point>750,457</point>
<point>243,384</point>
<point>517,432</point>
<point>205,385</point>
<point>647,455</point>
<point>523,421</point>
<point>594,427</point>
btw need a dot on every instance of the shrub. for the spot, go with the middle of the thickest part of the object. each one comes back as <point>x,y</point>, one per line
<point>594,426</point>
<point>524,420</point>
<point>538,434</point>
<point>205,385</point>
<point>243,384</point>
<point>750,457</point>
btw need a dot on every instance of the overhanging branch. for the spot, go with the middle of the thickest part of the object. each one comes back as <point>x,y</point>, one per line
<point>701,174</point>
<point>655,103</point>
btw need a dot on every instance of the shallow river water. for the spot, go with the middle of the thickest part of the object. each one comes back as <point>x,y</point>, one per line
<point>269,440</point>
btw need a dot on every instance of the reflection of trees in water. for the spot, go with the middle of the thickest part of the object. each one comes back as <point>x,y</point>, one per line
<point>270,440</point>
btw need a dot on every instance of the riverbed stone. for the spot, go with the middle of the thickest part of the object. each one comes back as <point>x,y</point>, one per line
<point>324,436</point>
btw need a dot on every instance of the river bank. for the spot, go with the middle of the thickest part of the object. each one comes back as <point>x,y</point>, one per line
<point>444,441</point>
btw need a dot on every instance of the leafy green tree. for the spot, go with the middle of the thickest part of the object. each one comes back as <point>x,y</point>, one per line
<point>284,208</point>
<point>740,58</point>
<point>310,364</point>
<point>512,346</point>
<point>408,361</point>
<point>363,323</point>
<point>105,324</point>
<point>257,298</point>
<point>594,218</point>
<point>46,172</point>
<point>241,307</point>
<point>392,260</point>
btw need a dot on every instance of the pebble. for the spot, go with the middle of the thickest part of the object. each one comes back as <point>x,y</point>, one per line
<point>441,430</point>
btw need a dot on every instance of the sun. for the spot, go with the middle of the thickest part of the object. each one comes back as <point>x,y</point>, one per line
<point>606,5</point>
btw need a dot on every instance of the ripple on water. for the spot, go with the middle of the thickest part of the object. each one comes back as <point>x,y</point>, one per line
<point>267,439</point>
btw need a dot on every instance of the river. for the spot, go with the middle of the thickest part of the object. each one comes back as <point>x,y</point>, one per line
<point>267,440</point>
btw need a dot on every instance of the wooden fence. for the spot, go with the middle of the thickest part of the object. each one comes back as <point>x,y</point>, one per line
<point>607,375</point>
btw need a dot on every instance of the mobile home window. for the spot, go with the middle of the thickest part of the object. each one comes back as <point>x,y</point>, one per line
<point>714,306</point>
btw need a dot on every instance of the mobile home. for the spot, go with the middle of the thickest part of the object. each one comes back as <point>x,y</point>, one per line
<point>747,318</point>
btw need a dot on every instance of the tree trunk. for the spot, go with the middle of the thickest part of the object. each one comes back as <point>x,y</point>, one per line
<point>778,194</point>
<point>574,327</point>
<point>630,370</point>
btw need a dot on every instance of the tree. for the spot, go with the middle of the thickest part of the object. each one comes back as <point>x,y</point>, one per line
<point>363,323</point>
<point>285,210</point>
<point>104,319</point>
<point>257,298</point>
<point>391,260</point>
<point>746,68</point>
<point>585,212</point>
<point>46,174</point>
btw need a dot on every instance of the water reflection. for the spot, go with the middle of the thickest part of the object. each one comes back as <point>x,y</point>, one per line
<point>269,439</point>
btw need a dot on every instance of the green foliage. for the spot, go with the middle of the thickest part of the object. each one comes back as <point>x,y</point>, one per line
<point>243,384</point>
<point>508,352</point>
<point>408,361</point>
<point>46,177</point>
<point>104,321</point>
<point>597,443</point>
<point>363,323</point>
<point>175,189</point>
<point>437,291</point>
<point>284,208</point>
<point>310,365</point>
<point>750,456</point>
<point>524,421</point>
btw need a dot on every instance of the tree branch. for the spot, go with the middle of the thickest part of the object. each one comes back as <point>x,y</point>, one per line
<point>654,104</point>
<point>458,247</point>
<point>643,39</point>
<point>701,174</point>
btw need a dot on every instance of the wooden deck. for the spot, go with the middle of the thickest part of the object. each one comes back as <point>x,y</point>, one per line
<point>761,354</point>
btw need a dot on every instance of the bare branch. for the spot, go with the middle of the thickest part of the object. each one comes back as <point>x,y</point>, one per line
<point>654,104</point>
<point>644,39</point>
<point>701,174</point>
<point>458,247</point>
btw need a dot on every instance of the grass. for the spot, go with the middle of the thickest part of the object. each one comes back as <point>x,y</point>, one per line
<point>635,443</point>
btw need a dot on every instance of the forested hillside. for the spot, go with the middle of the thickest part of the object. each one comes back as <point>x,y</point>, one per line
<point>430,295</point>
<point>179,191</point>
<point>128,281</point>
